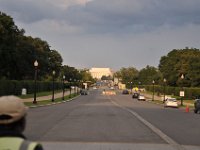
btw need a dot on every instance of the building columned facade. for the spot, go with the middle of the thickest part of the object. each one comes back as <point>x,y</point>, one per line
<point>99,72</point>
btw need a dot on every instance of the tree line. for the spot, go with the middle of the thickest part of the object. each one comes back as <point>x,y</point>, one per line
<point>179,68</point>
<point>19,52</point>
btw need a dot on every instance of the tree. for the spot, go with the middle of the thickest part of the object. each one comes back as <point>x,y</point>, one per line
<point>181,61</point>
<point>148,74</point>
<point>55,61</point>
<point>128,74</point>
<point>9,39</point>
<point>106,77</point>
<point>18,53</point>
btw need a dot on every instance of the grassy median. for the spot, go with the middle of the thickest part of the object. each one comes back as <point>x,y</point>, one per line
<point>49,101</point>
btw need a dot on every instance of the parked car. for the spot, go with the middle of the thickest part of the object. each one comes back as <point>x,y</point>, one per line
<point>94,88</point>
<point>125,92</point>
<point>84,92</point>
<point>197,106</point>
<point>135,95</point>
<point>112,88</point>
<point>141,98</point>
<point>171,102</point>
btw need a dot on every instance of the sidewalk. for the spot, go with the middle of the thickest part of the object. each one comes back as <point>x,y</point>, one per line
<point>160,98</point>
<point>48,97</point>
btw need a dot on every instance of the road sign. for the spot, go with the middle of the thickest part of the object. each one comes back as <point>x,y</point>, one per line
<point>182,93</point>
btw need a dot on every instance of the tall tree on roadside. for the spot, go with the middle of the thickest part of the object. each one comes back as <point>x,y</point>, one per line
<point>129,74</point>
<point>181,61</point>
<point>9,39</point>
<point>148,74</point>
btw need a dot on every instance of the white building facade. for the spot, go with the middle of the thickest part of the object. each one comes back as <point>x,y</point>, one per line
<point>99,72</point>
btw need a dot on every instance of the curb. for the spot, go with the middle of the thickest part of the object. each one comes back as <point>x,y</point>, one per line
<point>55,103</point>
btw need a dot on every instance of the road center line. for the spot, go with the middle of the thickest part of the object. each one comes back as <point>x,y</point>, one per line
<point>152,127</point>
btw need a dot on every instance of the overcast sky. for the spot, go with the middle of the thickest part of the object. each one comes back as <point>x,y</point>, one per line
<point>109,33</point>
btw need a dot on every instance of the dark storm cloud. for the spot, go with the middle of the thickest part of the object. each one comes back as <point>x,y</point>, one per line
<point>29,11</point>
<point>110,15</point>
<point>160,26</point>
<point>134,15</point>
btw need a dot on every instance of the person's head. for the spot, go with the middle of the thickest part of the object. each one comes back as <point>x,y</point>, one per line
<point>12,113</point>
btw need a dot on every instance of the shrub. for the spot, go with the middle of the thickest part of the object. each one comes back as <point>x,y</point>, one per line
<point>13,87</point>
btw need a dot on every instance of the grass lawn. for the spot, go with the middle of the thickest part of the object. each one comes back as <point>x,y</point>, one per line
<point>38,94</point>
<point>47,102</point>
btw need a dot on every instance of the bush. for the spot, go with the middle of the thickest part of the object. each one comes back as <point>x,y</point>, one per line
<point>190,93</point>
<point>8,87</point>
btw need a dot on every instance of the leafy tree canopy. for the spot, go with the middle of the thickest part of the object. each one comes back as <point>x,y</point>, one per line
<point>181,61</point>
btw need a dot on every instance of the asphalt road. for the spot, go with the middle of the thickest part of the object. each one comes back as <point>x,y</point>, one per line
<point>99,118</point>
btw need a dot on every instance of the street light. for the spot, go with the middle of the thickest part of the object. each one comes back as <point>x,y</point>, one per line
<point>131,87</point>
<point>53,85</point>
<point>63,88</point>
<point>74,86</point>
<point>164,80</point>
<point>182,92</point>
<point>70,88</point>
<point>35,78</point>
<point>153,82</point>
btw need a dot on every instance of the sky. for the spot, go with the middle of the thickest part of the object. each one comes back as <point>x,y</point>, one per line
<point>109,33</point>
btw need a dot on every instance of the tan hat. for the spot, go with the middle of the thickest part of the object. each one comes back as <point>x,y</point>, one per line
<point>13,108</point>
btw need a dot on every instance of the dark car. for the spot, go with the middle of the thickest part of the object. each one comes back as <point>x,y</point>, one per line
<point>197,106</point>
<point>125,92</point>
<point>135,95</point>
<point>84,92</point>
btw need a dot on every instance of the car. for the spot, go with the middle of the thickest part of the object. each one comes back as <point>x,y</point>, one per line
<point>94,88</point>
<point>125,92</point>
<point>112,88</point>
<point>197,106</point>
<point>171,102</point>
<point>84,92</point>
<point>135,95</point>
<point>141,98</point>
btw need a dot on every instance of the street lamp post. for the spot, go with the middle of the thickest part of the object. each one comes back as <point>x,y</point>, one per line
<point>70,92</point>
<point>153,82</point>
<point>78,87</point>
<point>74,86</point>
<point>131,87</point>
<point>53,86</point>
<point>164,80</point>
<point>35,78</point>
<point>63,98</point>
<point>182,92</point>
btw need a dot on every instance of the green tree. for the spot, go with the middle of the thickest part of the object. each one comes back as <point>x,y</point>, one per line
<point>55,61</point>
<point>18,53</point>
<point>181,61</point>
<point>9,39</point>
<point>128,74</point>
<point>148,74</point>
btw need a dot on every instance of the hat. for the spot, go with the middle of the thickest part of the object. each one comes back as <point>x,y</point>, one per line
<point>12,109</point>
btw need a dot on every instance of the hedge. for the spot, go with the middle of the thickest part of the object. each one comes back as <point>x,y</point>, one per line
<point>190,93</point>
<point>8,87</point>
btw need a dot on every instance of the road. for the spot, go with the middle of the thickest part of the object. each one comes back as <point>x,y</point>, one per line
<point>99,121</point>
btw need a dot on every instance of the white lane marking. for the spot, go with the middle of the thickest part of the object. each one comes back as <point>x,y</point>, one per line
<point>152,127</point>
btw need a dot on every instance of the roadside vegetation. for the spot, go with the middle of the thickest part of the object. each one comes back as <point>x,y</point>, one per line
<point>49,102</point>
<point>18,52</point>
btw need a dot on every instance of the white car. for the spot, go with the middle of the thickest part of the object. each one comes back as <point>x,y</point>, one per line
<point>171,102</point>
<point>141,98</point>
